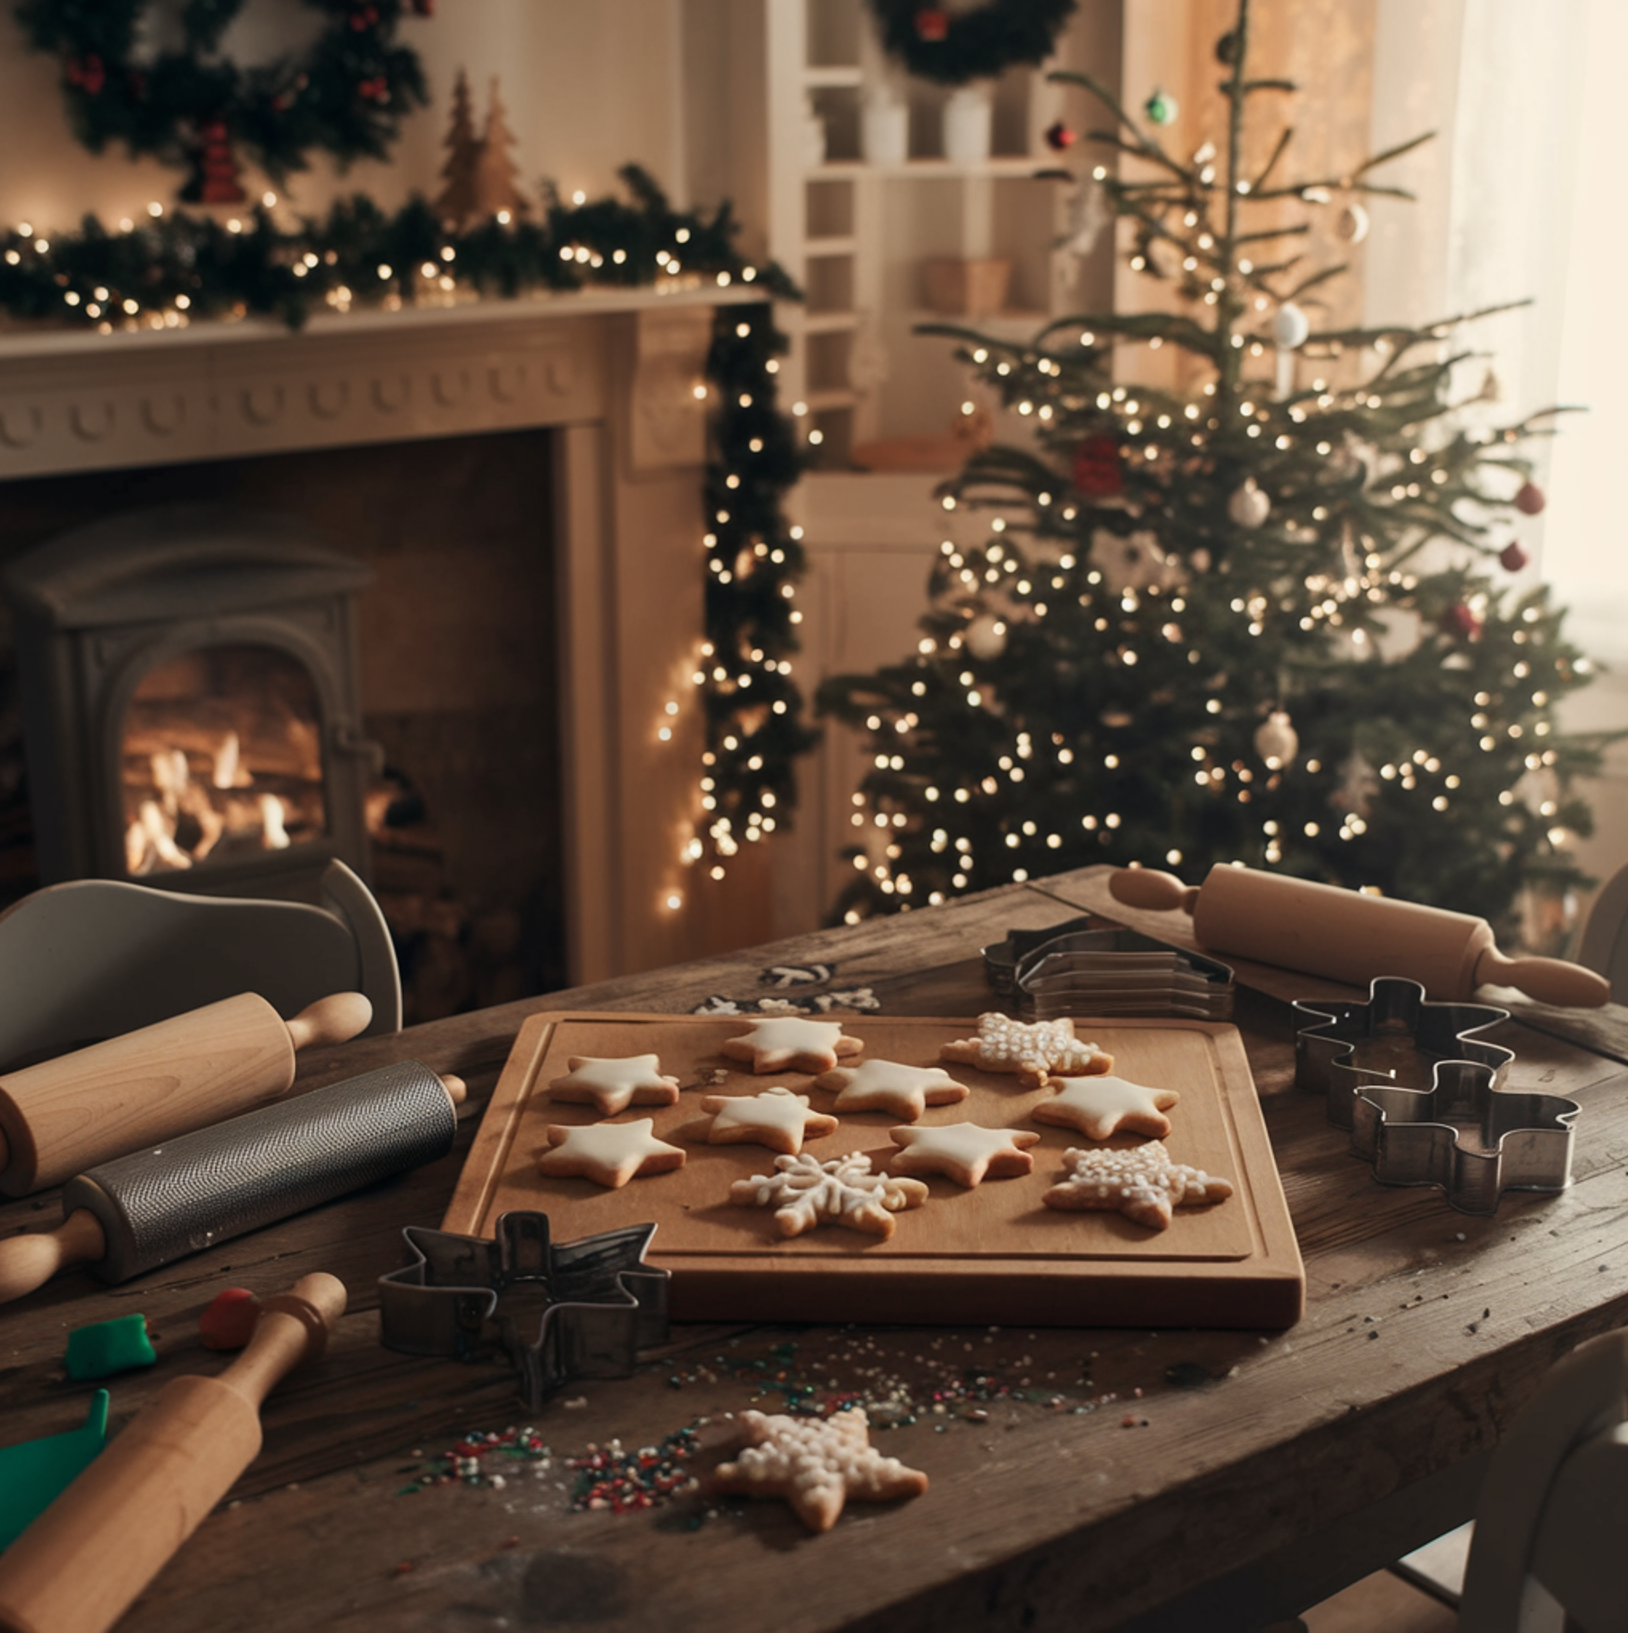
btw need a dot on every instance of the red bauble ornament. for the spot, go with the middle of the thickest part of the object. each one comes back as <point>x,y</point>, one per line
<point>1512,557</point>
<point>88,75</point>
<point>932,23</point>
<point>1059,137</point>
<point>1531,499</point>
<point>1097,472</point>
<point>1459,620</point>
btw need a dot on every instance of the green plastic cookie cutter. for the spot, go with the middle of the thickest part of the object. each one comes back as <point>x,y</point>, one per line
<point>34,1474</point>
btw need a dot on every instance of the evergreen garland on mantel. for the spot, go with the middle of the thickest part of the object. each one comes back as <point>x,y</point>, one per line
<point>170,269</point>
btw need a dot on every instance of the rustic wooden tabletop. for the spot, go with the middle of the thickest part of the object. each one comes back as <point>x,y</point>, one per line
<point>1080,1479</point>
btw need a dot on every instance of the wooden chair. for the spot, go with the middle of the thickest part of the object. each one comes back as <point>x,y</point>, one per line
<point>1604,942</point>
<point>1550,1549</point>
<point>95,958</point>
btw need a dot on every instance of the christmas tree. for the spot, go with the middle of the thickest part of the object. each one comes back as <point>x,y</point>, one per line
<point>1254,615</point>
<point>456,200</point>
<point>496,177</point>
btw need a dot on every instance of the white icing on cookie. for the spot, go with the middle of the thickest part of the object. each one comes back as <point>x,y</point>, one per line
<point>965,1152</point>
<point>1099,1107</point>
<point>609,1154</point>
<point>775,1117</point>
<point>1143,1184</point>
<point>885,1085</point>
<point>806,1192</point>
<point>614,1084</point>
<point>1037,1049</point>
<point>791,1043</point>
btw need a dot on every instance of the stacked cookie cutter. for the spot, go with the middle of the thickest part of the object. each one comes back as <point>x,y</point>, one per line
<point>582,1309</point>
<point>1079,969</point>
<point>1423,1098</point>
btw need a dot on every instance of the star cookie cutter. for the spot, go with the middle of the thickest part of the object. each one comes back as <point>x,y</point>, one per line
<point>581,1309</point>
<point>1464,1134</point>
<point>1395,1039</point>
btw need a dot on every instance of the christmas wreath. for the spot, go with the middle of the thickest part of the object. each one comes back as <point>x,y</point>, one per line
<point>155,79</point>
<point>954,46</point>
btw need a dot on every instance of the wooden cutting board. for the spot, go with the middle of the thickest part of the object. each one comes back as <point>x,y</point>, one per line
<point>993,1253</point>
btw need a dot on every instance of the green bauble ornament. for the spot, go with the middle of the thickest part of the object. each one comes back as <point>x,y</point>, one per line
<point>1161,108</point>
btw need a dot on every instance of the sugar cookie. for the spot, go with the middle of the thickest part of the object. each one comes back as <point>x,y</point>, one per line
<point>776,1118</point>
<point>964,1152</point>
<point>816,1465</point>
<point>789,1043</point>
<point>1143,1184</point>
<point>1099,1107</point>
<point>609,1154</point>
<point>806,1192</point>
<point>885,1085</point>
<point>614,1085</point>
<point>1036,1049</point>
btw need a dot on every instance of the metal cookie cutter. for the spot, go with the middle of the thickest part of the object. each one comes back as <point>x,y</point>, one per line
<point>580,1310</point>
<point>1396,1038</point>
<point>1462,1133</point>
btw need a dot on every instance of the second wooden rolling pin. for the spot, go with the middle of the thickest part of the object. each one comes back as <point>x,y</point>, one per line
<point>1348,936</point>
<point>68,1114</point>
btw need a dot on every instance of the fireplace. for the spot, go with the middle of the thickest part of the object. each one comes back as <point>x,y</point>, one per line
<point>190,702</point>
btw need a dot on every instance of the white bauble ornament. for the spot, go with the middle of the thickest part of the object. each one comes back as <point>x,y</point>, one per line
<point>1276,740</point>
<point>1290,326</point>
<point>985,636</point>
<point>1351,223</point>
<point>1249,505</point>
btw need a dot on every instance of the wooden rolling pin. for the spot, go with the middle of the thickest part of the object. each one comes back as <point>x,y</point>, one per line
<point>1347,936</point>
<point>156,1206</point>
<point>80,1564</point>
<point>169,1078</point>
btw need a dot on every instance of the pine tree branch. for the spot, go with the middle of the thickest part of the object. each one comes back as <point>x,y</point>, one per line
<point>1148,148</point>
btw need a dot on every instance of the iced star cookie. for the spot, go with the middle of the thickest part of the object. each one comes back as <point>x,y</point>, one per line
<point>885,1085</point>
<point>610,1154</point>
<point>816,1465</point>
<point>789,1043</point>
<point>1099,1107</point>
<point>1035,1049</point>
<point>776,1118</point>
<point>964,1152</point>
<point>1143,1184</point>
<point>805,1192</point>
<point>614,1085</point>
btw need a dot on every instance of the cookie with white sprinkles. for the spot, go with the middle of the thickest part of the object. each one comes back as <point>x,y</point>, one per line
<point>1143,1184</point>
<point>1034,1049</point>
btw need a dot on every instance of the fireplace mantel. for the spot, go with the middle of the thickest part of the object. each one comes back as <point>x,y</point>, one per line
<point>615,374</point>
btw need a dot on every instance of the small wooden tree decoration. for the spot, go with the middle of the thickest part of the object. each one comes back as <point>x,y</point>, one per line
<point>496,174</point>
<point>456,200</point>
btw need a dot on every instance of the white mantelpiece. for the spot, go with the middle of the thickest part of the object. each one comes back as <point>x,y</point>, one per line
<point>614,372</point>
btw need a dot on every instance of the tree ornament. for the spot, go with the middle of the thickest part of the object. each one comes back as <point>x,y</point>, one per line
<point>1249,505</point>
<point>932,23</point>
<point>1531,499</point>
<point>985,636</point>
<point>1097,472</point>
<point>1290,326</point>
<point>1512,558</point>
<point>1351,224</point>
<point>1226,49</point>
<point>455,202</point>
<point>1059,137</point>
<point>496,175</point>
<point>214,178</point>
<point>1276,740</point>
<point>954,45</point>
<point>1162,108</point>
<point>1460,620</point>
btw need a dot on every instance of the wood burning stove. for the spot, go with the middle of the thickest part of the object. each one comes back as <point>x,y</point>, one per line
<point>190,702</point>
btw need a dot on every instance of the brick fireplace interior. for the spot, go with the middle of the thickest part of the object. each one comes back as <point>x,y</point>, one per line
<point>458,673</point>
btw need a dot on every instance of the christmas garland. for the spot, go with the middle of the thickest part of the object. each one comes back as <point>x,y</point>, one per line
<point>171,269</point>
<point>953,47</point>
<point>189,105</point>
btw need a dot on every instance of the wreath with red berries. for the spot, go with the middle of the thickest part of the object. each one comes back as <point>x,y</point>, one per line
<point>179,99</point>
<point>953,46</point>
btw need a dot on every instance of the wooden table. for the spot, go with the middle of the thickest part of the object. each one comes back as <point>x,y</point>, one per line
<point>1124,1479</point>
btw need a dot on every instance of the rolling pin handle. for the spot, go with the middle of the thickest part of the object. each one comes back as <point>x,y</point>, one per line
<point>1549,980</point>
<point>1147,887</point>
<point>29,1261</point>
<point>334,1019</point>
<point>457,1089</point>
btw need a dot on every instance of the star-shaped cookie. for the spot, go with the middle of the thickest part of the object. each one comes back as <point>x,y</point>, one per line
<point>885,1085</point>
<point>614,1085</point>
<point>1099,1107</point>
<point>816,1465</point>
<point>1035,1049</point>
<point>806,1192</point>
<point>775,1117</point>
<point>1143,1184</point>
<point>789,1043</point>
<point>964,1152</point>
<point>609,1154</point>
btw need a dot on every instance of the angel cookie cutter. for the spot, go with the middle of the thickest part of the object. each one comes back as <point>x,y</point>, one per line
<point>581,1309</point>
<point>1396,1038</point>
<point>1466,1135</point>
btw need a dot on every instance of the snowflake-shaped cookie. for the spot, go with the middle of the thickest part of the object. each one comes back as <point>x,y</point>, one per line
<point>614,1085</point>
<point>965,1152</point>
<point>816,1464</point>
<point>789,1043</point>
<point>1143,1184</point>
<point>609,1154</point>
<point>806,1192</point>
<point>1099,1107</point>
<point>1036,1049</point>
<point>885,1085</point>
<point>776,1118</point>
